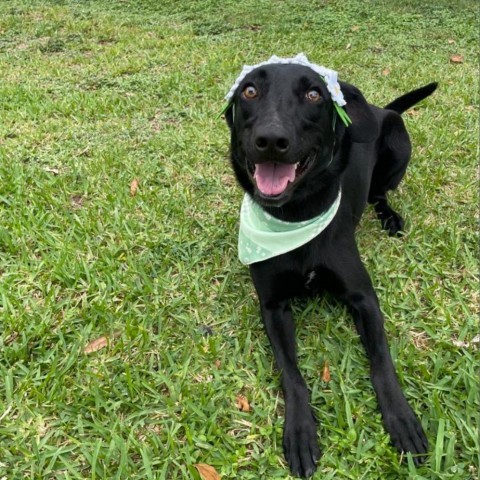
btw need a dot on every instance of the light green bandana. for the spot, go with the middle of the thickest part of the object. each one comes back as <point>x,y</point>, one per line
<point>263,236</point>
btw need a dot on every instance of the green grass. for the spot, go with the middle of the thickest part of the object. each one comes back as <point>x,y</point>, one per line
<point>95,94</point>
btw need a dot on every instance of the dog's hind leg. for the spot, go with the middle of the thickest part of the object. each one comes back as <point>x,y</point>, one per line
<point>393,157</point>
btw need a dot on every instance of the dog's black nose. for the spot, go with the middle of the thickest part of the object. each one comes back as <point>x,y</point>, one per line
<point>272,142</point>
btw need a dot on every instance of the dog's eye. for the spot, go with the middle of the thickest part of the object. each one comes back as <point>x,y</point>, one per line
<point>249,92</point>
<point>313,96</point>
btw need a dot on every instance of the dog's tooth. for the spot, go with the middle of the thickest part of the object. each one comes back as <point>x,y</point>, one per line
<point>296,165</point>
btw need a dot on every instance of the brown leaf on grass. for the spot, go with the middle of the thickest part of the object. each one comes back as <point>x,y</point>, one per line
<point>134,187</point>
<point>456,59</point>
<point>76,201</point>
<point>207,472</point>
<point>96,345</point>
<point>386,72</point>
<point>326,372</point>
<point>413,113</point>
<point>254,27</point>
<point>450,41</point>
<point>11,338</point>
<point>218,363</point>
<point>242,403</point>
<point>420,339</point>
<point>85,152</point>
<point>355,28</point>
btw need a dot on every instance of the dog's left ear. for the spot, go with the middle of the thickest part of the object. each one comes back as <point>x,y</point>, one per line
<point>364,127</point>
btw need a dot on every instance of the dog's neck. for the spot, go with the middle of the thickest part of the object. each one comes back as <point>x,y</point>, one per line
<point>308,206</point>
<point>262,236</point>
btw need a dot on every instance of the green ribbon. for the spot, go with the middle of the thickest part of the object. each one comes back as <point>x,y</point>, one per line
<point>262,236</point>
<point>343,115</point>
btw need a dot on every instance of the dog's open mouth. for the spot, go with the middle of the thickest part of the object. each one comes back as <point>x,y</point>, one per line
<point>273,178</point>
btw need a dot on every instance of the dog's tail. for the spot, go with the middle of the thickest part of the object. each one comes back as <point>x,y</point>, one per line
<point>408,100</point>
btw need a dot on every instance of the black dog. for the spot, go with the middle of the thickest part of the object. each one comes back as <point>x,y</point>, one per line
<point>283,115</point>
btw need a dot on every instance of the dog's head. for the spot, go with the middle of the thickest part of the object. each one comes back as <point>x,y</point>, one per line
<point>285,133</point>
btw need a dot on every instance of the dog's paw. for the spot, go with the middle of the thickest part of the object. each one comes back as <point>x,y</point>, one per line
<point>406,433</point>
<point>392,222</point>
<point>300,444</point>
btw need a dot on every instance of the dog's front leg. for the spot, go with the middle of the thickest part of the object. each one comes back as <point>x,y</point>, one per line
<point>300,432</point>
<point>401,423</point>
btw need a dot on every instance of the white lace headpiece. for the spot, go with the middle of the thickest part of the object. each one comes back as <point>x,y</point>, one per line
<point>329,76</point>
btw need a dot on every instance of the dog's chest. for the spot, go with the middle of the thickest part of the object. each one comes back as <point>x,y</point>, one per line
<point>318,279</point>
<point>309,278</point>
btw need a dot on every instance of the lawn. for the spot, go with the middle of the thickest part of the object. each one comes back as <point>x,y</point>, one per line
<point>128,328</point>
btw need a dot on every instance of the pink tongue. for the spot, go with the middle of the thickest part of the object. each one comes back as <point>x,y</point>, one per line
<point>272,178</point>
